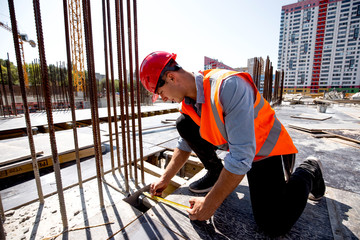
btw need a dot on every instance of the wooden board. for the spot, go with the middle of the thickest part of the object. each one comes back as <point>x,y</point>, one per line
<point>311,116</point>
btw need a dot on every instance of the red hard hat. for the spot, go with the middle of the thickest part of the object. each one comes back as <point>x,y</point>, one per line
<point>151,68</point>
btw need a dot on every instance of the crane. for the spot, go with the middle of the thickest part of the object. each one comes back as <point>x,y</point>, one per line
<point>76,44</point>
<point>22,38</point>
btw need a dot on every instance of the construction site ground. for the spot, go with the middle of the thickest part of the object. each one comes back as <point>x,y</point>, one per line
<point>332,136</point>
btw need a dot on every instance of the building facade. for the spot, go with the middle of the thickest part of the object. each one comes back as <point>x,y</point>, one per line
<point>210,63</point>
<point>250,65</point>
<point>319,46</point>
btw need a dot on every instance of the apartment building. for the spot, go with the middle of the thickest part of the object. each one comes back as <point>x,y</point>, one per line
<point>319,46</point>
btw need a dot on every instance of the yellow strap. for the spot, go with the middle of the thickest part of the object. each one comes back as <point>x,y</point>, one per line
<point>168,202</point>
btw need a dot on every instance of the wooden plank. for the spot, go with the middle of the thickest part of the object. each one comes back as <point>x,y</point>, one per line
<point>156,171</point>
<point>342,137</point>
<point>311,117</point>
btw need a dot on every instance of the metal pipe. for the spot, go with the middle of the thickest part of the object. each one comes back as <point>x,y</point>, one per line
<point>46,88</point>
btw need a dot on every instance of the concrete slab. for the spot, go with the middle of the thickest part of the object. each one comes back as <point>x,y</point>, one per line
<point>62,116</point>
<point>35,221</point>
<point>234,218</point>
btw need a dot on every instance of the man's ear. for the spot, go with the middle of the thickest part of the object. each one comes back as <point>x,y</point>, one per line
<point>171,76</point>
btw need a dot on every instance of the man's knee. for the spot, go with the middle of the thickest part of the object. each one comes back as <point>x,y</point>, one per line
<point>185,125</point>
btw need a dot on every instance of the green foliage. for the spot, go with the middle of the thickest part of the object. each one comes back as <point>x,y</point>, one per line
<point>13,70</point>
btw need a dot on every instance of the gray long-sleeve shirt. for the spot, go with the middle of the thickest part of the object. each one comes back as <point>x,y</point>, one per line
<point>237,99</point>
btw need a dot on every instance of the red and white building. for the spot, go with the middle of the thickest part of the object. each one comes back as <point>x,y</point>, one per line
<point>319,45</point>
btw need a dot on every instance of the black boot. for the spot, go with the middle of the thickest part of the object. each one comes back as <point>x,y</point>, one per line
<point>205,151</point>
<point>314,167</point>
<point>205,184</point>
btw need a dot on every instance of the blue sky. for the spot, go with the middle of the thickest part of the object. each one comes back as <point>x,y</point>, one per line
<point>230,30</point>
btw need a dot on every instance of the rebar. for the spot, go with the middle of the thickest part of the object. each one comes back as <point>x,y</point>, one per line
<point>121,89</point>
<point>108,88</point>
<point>2,232</point>
<point>93,95</point>
<point>125,88</point>
<point>113,85</point>
<point>138,91</point>
<point>46,90</point>
<point>132,91</point>
<point>2,212</point>
<point>11,89</point>
<point>71,93</point>
<point>25,102</point>
<point>4,90</point>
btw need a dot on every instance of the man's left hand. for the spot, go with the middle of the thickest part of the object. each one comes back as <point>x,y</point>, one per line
<point>201,209</point>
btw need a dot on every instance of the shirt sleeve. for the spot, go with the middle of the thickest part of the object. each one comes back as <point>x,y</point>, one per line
<point>182,145</point>
<point>237,99</point>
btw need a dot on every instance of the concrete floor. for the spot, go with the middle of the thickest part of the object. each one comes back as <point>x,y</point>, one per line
<point>335,217</point>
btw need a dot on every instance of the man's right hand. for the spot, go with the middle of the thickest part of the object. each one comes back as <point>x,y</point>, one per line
<point>156,188</point>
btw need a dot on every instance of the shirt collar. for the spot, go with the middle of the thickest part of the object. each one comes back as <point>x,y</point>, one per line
<point>200,98</point>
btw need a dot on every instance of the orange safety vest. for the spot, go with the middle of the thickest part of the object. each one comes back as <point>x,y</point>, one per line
<point>272,139</point>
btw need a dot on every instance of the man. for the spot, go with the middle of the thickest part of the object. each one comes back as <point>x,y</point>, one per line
<point>222,109</point>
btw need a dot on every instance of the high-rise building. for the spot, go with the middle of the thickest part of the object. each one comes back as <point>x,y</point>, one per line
<point>319,45</point>
<point>250,65</point>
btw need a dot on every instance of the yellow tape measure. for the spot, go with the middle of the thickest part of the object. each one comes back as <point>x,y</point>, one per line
<point>168,202</point>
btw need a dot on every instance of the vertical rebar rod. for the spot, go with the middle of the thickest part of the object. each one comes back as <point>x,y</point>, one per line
<point>4,90</point>
<point>120,71</point>
<point>270,81</point>
<point>46,89</point>
<point>108,88</point>
<point>138,91</point>
<point>71,92</point>
<point>282,87</point>
<point>11,89</point>
<point>125,87</point>
<point>113,86</point>
<point>132,97</point>
<point>2,231</point>
<point>25,103</point>
<point>93,95</point>
<point>35,85</point>
<point>2,103</point>
<point>2,212</point>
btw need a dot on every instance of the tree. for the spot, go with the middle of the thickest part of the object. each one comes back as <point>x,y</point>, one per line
<point>14,72</point>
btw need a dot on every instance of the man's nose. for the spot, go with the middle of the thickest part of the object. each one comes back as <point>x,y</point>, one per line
<point>163,97</point>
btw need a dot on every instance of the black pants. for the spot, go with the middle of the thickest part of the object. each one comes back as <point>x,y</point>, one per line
<point>276,204</point>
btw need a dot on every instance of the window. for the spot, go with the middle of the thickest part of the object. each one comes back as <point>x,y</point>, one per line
<point>306,47</point>
<point>356,32</point>
<point>351,63</point>
<point>292,37</point>
<point>308,15</point>
<point>291,64</point>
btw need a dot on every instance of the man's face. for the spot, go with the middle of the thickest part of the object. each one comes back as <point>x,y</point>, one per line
<point>171,90</point>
